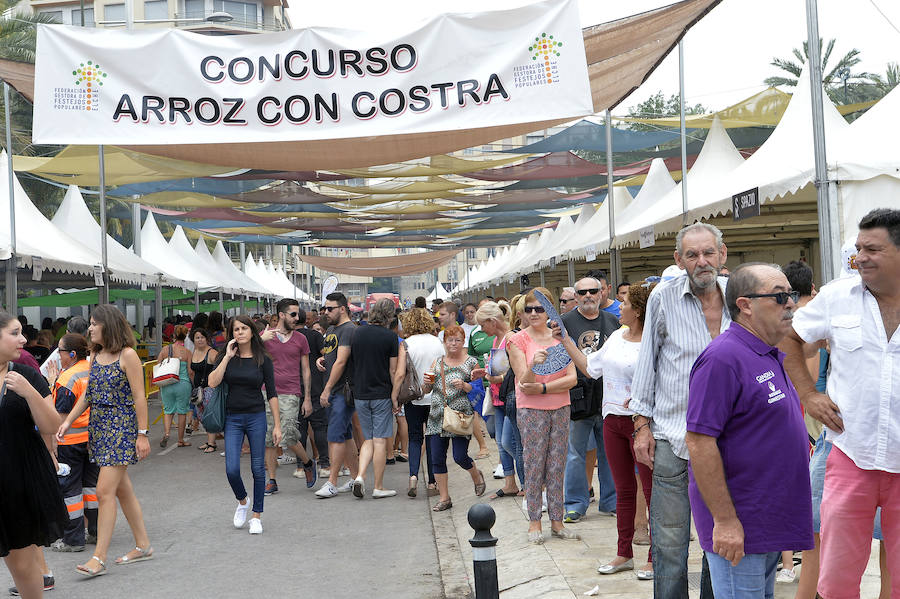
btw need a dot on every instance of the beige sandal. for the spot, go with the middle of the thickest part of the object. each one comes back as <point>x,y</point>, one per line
<point>143,555</point>
<point>85,571</point>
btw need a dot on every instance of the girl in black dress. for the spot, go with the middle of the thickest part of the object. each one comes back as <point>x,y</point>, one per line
<point>32,511</point>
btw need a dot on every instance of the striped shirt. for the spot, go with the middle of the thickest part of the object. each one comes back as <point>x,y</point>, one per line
<point>675,333</point>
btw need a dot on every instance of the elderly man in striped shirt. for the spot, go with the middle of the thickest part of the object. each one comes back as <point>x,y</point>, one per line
<point>683,315</point>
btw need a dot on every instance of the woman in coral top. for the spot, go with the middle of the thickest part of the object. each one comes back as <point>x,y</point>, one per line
<point>542,404</point>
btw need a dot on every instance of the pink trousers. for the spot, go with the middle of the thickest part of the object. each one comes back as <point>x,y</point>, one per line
<point>848,511</point>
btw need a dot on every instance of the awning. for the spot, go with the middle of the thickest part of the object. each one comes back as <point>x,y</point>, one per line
<point>387,266</point>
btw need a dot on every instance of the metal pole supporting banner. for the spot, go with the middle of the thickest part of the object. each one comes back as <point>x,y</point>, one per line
<point>136,246</point>
<point>570,271</point>
<point>196,300</point>
<point>11,280</point>
<point>541,272</point>
<point>221,302</point>
<point>615,260</point>
<point>104,289</point>
<point>684,196</point>
<point>243,258</point>
<point>158,309</point>
<point>826,189</point>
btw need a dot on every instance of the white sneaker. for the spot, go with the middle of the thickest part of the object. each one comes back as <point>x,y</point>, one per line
<point>358,486</point>
<point>327,490</point>
<point>285,459</point>
<point>324,472</point>
<point>240,514</point>
<point>544,501</point>
<point>255,526</point>
<point>346,487</point>
<point>381,493</point>
<point>785,575</point>
<point>299,473</point>
<point>344,471</point>
<point>498,471</point>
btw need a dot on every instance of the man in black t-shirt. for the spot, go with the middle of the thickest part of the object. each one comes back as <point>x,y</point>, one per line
<point>319,417</point>
<point>374,350</point>
<point>589,327</point>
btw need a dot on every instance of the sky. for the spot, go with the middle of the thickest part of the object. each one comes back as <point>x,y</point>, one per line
<point>727,54</point>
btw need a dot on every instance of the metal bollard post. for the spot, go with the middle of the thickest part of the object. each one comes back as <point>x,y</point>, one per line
<point>484,555</point>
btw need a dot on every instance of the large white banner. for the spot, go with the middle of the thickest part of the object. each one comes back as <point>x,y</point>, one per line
<point>456,71</point>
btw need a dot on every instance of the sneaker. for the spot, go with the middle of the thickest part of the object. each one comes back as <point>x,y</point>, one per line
<point>358,486</point>
<point>324,472</point>
<point>310,471</point>
<point>63,547</point>
<point>572,517</point>
<point>255,526</point>
<point>498,471</point>
<point>785,575</point>
<point>591,498</point>
<point>344,471</point>
<point>49,583</point>
<point>381,493</point>
<point>346,487</point>
<point>271,487</point>
<point>90,539</point>
<point>240,514</point>
<point>299,473</point>
<point>327,490</point>
<point>285,459</point>
<point>544,501</point>
<point>390,462</point>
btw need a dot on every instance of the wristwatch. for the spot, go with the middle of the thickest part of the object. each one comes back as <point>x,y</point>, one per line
<point>143,431</point>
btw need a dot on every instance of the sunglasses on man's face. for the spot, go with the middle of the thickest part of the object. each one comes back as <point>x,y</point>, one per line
<point>538,309</point>
<point>593,291</point>
<point>330,308</point>
<point>563,300</point>
<point>781,298</point>
<point>293,314</point>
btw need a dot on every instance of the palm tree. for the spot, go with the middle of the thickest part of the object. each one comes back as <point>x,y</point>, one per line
<point>890,80</point>
<point>833,77</point>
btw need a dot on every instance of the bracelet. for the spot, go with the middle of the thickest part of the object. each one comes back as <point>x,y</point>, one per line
<point>544,388</point>
<point>634,434</point>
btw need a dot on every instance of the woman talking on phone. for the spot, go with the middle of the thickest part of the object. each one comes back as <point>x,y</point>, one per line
<point>245,367</point>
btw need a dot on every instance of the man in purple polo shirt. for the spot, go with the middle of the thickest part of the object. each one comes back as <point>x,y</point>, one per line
<point>744,416</point>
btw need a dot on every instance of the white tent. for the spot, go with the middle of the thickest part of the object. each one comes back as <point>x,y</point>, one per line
<point>209,265</point>
<point>565,228</point>
<point>438,293</point>
<point>640,212</point>
<point>596,231</point>
<point>246,283</point>
<point>157,251</point>
<point>36,236</point>
<point>74,218</point>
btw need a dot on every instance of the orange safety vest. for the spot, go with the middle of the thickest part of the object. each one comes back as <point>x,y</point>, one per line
<point>75,379</point>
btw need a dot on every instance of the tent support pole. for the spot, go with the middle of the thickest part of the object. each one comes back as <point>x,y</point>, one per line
<point>11,281</point>
<point>684,196</point>
<point>104,290</point>
<point>136,244</point>
<point>242,302</point>
<point>221,302</point>
<point>570,271</point>
<point>541,272</point>
<point>196,300</point>
<point>158,309</point>
<point>243,257</point>
<point>826,190</point>
<point>615,259</point>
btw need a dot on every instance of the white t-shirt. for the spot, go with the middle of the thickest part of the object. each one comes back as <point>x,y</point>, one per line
<point>423,349</point>
<point>469,329</point>
<point>615,362</point>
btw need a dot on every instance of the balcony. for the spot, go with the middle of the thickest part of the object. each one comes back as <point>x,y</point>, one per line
<point>239,24</point>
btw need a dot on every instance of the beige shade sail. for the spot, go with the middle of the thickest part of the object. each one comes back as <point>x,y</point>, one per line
<point>435,165</point>
<point>620,55</point>
<point>431,186</point>
<point>388,266</point>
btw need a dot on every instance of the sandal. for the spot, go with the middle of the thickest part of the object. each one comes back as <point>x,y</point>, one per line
<point>482,456</point>
<point>184,444</point>
<point>441,506</point>
<point>203,446</point>
<point>85,571</point>
<point>433,490</point>
<point>210,448</point>
<point>480,487</point>
<point>164,441</point>
<point>413,486</point>
<point>143,554</point>
<point>501,493</point>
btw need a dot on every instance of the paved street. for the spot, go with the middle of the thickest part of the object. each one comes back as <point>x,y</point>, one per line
<point>340,547</point>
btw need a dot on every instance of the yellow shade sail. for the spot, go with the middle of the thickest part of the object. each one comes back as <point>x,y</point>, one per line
<point>435,165</point>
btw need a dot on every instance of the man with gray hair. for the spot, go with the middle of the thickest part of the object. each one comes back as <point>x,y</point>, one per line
<point>683,315</point>
<point>567,300</point>
<point>743,416</point>
<point>374,352</point>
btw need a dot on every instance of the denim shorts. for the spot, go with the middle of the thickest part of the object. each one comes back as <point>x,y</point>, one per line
<point>340,419</point>
<point>817,482</point>
<point>376,418</point>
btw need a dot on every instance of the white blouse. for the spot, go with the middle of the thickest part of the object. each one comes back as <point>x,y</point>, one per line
<point>615,362</point>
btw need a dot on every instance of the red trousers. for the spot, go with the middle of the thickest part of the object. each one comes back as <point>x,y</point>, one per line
<point>619,446</point>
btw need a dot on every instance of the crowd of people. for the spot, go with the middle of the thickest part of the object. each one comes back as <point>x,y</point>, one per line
<point>697,395</point>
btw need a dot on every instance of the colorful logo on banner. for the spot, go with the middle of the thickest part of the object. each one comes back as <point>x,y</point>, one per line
<point>544,69</point>
<point>88,78</point>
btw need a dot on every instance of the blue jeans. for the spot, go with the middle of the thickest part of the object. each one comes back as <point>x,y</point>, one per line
<point>512,443</point>
<point>506,459</point>
<point>439,446</point>
<point>752,578</point>
<point>670,526</point>
<point>254,427</point>
<point>577,486</point>
<point>416,417</point>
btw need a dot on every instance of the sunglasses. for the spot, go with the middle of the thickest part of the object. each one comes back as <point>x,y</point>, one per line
<point>538,309</point>
<point>565,301</point>
<point>593,291</point>
<point>330,308</point>
<point>781,297</point>
<point>293,314</point>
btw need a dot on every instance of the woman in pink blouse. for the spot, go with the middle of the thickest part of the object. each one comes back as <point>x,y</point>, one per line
<point>542,404</point>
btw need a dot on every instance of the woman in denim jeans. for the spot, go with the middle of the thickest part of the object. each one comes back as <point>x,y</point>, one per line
<point>245,367</point>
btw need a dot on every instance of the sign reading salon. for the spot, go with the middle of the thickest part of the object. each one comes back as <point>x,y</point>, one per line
<point>168,86</point>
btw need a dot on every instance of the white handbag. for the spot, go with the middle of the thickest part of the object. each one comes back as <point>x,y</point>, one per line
<point>167,371</point>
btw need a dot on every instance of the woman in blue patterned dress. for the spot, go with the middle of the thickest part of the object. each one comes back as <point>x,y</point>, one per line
<point>117,432</point>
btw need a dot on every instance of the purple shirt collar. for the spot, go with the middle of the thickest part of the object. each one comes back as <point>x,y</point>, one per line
<point>753,342</point>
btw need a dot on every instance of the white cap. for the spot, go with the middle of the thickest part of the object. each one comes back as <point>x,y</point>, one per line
<point>848,258</point>
<point>672,272</point>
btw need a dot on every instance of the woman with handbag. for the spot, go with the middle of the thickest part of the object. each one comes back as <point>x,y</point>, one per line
<point>451,418</point>
<point>117,432</point>
<point>203,360</point>
<point>246,368</point>
<point>176,397</point>
<point>542,410</point>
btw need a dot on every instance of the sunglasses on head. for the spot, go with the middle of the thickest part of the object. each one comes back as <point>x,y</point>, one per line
<point>593,291</point>
<point>781,297</point>
<point>538,309</point>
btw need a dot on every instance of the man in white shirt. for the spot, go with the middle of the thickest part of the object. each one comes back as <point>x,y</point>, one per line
<point>469,323</point>
<point>860,317</point>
